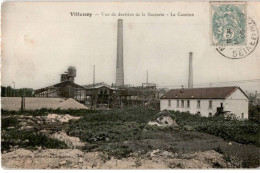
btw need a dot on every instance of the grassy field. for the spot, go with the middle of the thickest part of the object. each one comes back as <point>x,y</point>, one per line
<point>245,132</point>
<point>122,132</point>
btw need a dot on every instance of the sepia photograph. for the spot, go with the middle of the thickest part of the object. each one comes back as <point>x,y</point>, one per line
<point>130,85</point>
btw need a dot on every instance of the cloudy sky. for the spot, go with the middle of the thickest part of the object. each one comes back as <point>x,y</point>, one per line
<point>40,40</point>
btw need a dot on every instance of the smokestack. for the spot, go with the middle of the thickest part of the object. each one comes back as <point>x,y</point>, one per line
<point>119,62</point>
<point>190,80</point>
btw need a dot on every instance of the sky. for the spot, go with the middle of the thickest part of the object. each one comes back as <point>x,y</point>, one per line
<point>41,39</point>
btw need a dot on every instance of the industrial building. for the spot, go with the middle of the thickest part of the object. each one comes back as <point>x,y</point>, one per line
<point>207,102</point>
<point>65,89</point>
<point>102,95</point>
<point>204,101</point>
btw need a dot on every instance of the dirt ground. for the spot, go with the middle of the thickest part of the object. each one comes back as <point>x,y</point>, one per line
<point>76,159</point>
<point>170,149</point>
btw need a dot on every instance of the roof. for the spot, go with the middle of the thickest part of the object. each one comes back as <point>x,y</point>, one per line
<point>36,103</point>
<point>201,93</point>
<point>59,85</point>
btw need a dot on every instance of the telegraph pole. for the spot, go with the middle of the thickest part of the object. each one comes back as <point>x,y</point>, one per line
<point>94,76</point>
<point>14,88</point>
<point>147,76</point>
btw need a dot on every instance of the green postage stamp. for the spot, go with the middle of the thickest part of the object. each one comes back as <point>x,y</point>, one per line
<point>228,23</point>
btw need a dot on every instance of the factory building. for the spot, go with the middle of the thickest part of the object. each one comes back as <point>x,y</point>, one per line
<point>65,89</point>
<point>101,95</point>
<point>69,75</point>
<point>207,102</point>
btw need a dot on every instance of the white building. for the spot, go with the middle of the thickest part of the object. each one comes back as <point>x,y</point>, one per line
<point>207,101</point>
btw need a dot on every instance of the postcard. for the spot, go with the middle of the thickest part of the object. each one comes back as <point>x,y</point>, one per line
<point>130,85</point>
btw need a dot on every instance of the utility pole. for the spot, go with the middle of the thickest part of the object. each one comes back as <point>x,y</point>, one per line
<point>14,88</point>
<point>93,76</point>
<point>23,101</point>
<point>147,77</point>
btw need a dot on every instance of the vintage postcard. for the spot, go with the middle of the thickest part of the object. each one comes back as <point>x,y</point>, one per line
<point>130,85</point>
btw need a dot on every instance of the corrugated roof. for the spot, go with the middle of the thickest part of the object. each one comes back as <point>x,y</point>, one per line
<point>200,93</point>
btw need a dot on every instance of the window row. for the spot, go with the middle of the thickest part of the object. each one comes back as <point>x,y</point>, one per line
<point>180,103</point>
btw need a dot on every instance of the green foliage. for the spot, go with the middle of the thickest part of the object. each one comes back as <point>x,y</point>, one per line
<point>246,132</point>
<point>11,92</point>
<point>44,111</point>
<point>113,126</point>
<point>9,122</point>
<point>28,139</point>
<point>119,152</point>
<point>254,113</point>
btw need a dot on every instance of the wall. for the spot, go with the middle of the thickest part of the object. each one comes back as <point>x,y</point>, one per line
<point>237,103</point>
<point>193,109</point>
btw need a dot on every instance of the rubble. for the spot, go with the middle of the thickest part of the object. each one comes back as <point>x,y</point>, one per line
<point>164,120</point>
<point>72,142</point>
<point>60,118</point>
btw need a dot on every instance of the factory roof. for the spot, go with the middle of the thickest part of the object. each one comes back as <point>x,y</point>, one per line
<point>97,85</point>
<point>201,93</point>
<point>59,85</point>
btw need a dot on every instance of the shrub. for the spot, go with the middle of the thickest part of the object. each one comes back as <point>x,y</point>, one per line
<point>246,132</point>
<point>29,140</point>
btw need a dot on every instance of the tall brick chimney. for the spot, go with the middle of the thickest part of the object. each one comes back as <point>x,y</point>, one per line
<point>190,80</point>
<point>120,59</point>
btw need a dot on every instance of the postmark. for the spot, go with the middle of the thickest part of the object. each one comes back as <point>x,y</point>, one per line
<point>237,52</point>
<point>228,23</point>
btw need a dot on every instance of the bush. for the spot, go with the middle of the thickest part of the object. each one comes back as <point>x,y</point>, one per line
<point>246,132</point>
<point>44,111</point>
<point>9,122</point>
<point>254,113</point>
<point>29,140</point>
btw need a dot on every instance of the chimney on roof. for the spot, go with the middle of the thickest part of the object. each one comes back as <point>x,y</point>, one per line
<point>190,80</point>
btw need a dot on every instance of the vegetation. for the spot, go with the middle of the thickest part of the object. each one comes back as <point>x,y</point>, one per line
<point>11,92</point>
<point>254,113</point>
<point>245,132</point>
<point>110,128</point>
<point>44,111</point>
<point>12,136</point>
<point>120,132</point>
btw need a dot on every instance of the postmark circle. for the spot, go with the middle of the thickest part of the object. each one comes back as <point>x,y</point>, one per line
<point>242,51</point>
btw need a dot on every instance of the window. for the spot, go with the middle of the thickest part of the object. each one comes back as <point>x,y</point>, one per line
<point>198,112</point>
<point>198,104</point>
<point>169,102</point>
<point>182,103</point>
<point>210,114</point>
<point>242,116</point>
<point>188,103</point>
<point>178,104</point>
<point>210,104</point>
